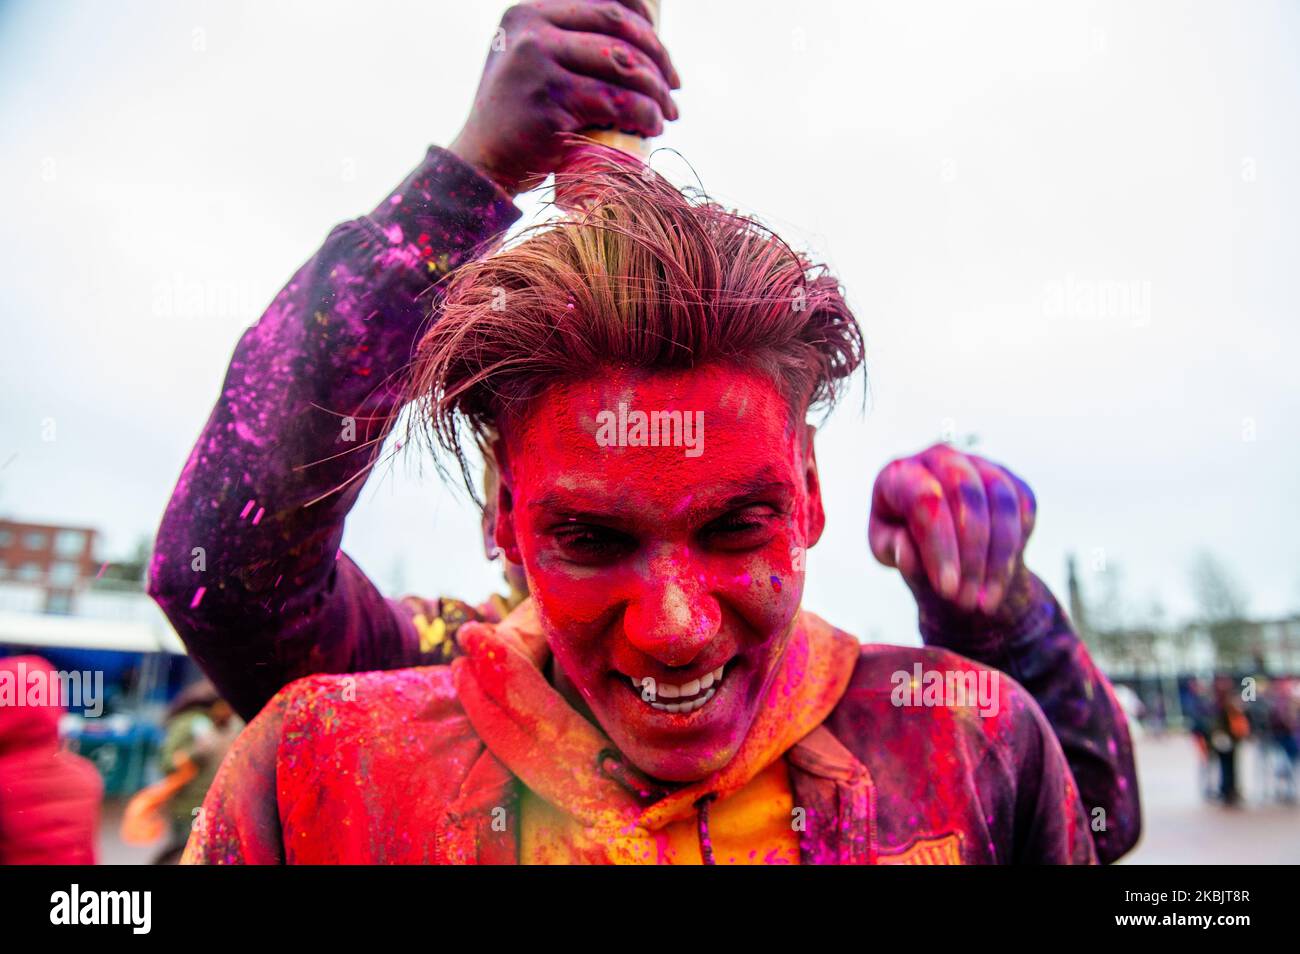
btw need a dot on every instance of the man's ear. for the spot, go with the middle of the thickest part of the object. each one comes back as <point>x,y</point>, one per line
<point>815,515</point>
<point>504,530</point>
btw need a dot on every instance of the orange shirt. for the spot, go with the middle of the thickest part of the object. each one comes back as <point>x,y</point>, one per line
<point>750,827</point>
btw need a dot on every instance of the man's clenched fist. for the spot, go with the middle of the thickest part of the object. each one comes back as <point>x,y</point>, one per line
<point>955,525</point>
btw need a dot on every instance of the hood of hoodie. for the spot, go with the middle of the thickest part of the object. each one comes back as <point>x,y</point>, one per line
<point>26,726</point>
<point>571,764</point>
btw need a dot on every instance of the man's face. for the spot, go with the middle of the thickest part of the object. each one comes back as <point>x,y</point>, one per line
<point>666,578</point>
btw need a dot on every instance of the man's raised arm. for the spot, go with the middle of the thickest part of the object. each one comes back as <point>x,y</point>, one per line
<point>955,526</point>
<point>247,563</point>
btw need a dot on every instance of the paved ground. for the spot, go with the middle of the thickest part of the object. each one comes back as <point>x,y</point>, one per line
<point>112,850</point>
<point>1180,826</point>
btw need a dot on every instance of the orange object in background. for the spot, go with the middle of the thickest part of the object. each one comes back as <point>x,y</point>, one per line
<point>144,820</point>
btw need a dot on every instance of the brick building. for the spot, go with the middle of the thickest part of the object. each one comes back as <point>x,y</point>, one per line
<point>58,559</point>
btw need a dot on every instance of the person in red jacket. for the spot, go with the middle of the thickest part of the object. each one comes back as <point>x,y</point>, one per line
<point>49,797</point>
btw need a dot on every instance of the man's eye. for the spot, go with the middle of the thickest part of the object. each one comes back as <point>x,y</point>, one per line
<point>744,529</point>
<point>585,543</point>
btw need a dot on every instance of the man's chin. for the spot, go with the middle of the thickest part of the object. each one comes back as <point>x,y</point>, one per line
<point>678,765</point>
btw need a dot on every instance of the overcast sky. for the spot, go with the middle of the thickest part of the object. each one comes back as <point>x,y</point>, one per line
<point>1071,230</point>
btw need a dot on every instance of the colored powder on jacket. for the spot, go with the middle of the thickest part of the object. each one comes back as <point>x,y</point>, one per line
<point>432,765</point>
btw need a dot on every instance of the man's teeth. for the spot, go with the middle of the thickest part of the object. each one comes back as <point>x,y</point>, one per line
<point>691,695</point>
<point>685,707</point>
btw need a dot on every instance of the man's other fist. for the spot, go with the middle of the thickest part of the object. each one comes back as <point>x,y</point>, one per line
<point>955,525</point>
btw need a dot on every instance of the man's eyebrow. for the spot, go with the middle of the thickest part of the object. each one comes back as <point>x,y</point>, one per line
<point>567,505</point>
<point>571,506</point>
<point>756,489</point>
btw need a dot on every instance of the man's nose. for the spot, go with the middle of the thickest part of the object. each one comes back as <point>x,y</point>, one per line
<point>674,617</point>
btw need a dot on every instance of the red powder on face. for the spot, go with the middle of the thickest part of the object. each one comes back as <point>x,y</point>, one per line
<point>641,558</point>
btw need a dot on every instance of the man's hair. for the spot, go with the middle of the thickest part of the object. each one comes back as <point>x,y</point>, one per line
<point>642,276</point>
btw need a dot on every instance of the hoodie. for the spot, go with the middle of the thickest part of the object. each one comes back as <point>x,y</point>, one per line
<point>49,798</point>
<point>485,762</point>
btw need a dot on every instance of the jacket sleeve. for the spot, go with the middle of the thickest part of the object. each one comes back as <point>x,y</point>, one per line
<point>1035,643</point>
<point>1051,825</point>
<point>247,564</point>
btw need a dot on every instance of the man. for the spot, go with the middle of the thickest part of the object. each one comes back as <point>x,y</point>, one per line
<point>313,387</point>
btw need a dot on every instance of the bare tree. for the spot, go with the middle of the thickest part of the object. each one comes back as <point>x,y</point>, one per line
<point>1222,604</point>
<point>1111,622</point>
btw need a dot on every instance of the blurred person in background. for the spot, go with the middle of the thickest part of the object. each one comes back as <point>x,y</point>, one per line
<point>1228,727</point>
<point>1280,730</point>
<point>1197,709</point>
<point>200,728</point>
<point>49,797</point>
